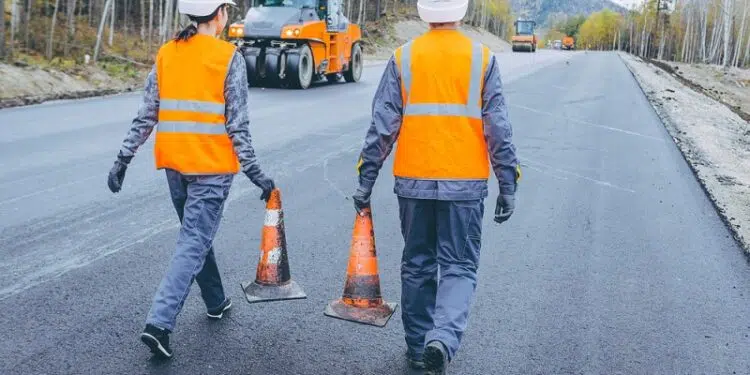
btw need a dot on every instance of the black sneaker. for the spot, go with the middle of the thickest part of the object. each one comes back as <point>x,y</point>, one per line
<point>435,358</point>
<point>157,340</point>
<point>413,360</point>
<point>415,363</point>
<point>218,312</point>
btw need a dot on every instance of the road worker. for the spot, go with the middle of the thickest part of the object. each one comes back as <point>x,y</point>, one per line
<point>441,96</point>
<point>196,97</point>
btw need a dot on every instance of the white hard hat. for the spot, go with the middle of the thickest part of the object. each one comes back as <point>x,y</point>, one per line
<point>201,8</point>
<point>438,11</point>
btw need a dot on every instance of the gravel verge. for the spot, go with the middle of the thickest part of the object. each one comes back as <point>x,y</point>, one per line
<point>714,140</point>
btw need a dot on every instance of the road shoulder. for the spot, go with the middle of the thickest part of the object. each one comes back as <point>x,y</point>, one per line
<point>714,140</point>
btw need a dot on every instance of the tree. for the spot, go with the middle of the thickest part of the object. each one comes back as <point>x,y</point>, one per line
<point>70,10</point>
<point>2,30</point>
<point>51,39</point>
<point>101,29</point>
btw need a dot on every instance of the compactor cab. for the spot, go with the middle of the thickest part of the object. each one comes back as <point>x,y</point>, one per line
<point>292,43</point>
<point>524,38</point>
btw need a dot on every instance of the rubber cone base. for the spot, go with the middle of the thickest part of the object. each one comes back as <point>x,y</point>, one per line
<point>255,292</point>
<point>374,316</point>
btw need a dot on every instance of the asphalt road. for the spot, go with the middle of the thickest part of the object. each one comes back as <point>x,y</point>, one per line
<point>615,262</point>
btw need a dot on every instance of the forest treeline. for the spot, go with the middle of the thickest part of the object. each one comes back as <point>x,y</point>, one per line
<point>692,31</point>
<point>132,30</point>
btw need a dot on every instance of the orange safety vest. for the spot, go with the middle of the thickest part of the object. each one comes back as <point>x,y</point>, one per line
<point>441,136</point>
<point>191,135</point>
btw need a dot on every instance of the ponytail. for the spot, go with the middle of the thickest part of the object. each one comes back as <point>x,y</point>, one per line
<point>192,28</point>
<point>187,32</point>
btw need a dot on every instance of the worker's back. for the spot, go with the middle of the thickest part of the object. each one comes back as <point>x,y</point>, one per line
<point>442,74</point>
<point>191,137</point>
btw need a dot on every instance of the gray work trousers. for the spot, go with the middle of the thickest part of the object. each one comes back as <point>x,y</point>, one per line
<point>199,202</point>
<point>438,269</point>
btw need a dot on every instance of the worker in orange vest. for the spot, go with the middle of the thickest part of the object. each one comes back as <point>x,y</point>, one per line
<point>196,97</point>
<point>441,97</point>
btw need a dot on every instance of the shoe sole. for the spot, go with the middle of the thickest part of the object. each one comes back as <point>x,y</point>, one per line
<point>155,346</point>
<point>221,314</point>
<point>434,361</point>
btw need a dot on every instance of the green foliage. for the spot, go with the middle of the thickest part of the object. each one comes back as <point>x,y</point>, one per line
<point>598,31</point>
<point>571,25</point>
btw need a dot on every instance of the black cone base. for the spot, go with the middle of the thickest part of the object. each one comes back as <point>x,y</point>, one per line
<point>374,316</point>
<point>255,292</point>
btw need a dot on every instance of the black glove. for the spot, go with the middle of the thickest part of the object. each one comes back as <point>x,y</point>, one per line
<point>505,206</point>
<point>264,183</point>
<point>117,173</point>
<point>361,199</point>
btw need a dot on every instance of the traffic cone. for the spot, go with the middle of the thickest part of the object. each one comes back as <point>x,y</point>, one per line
<point>361,301</point>
<point>273,281</point>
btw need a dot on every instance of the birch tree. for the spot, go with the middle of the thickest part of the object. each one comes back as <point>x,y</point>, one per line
<point>13,23</point>
<point>105,12</point>
<point>740,35</point>
<point>143,19</point>
<point>27,21</point>
<point>2,32</point>
<point>70,9</point>
<point>51,37</point>
<point>727,11</point>
<point>112,24</point>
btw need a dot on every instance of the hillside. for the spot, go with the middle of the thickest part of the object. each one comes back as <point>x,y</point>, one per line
<point>391,35</point>
<point>542,11</point>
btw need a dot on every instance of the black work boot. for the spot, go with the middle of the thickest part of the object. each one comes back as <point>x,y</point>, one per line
<point>157,340</point>
<point>435,358</point>
<point>218,312</point>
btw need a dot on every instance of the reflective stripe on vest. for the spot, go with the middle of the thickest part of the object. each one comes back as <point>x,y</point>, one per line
<point>438,109</point>
<point>191,106</point>
<point>191,126</point>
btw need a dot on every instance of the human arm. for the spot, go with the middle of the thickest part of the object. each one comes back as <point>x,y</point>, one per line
<point>382,134</point>
<point>498,130</point>
<point>142,126</point>
<point>238,123</point>
<point>499,136</point>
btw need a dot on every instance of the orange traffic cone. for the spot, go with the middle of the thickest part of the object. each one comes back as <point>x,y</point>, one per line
<point>361,301</point>
<point>273,281</point>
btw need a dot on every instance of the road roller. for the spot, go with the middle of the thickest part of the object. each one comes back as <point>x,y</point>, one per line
<point>293,43</point>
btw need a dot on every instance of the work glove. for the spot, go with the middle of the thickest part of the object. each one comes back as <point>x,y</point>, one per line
<point>361,199</point>
<point>117,173</point>
<point>260,180</point>
<point>266,184</point>
<point>505,206</point>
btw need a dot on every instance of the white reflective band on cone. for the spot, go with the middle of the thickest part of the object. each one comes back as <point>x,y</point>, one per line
<point>273,218</point>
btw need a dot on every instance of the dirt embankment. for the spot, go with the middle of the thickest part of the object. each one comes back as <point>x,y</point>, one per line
<point>398,33</point>
<point>23,84</point>
<point>730,86</point>
<point>713,138</point>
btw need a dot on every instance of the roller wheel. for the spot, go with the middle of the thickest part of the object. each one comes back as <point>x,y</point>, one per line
<point>354,73</point>
<point>272,68</point>
<point>301,68</point>
<point>251,57</point>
